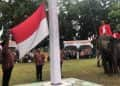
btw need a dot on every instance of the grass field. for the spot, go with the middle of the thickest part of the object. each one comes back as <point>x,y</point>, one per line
<point>84,69</point>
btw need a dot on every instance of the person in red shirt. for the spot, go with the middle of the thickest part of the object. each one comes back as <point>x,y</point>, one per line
<point>105,34</point>
<point>39,60</point>
<point>105,29</point>
<point>116,35</point>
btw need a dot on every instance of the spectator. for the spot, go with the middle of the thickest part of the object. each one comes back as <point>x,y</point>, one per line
<point>61,59</point>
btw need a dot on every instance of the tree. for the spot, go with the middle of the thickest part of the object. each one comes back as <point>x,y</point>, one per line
<point>66,16</point>
<point>79,18</point>
<point>82,18</point>
<point>114,15</point>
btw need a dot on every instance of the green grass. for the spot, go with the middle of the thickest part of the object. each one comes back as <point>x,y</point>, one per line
<point>81,69</point>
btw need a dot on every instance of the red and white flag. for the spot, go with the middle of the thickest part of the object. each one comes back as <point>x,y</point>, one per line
<point>31,32</point>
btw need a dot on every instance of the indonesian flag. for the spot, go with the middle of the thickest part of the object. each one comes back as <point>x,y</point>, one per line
<point>31,32</point>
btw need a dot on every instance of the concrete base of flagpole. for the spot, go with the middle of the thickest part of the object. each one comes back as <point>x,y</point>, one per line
<point>65,82</point>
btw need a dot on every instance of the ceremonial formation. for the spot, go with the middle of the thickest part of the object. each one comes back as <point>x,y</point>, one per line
<point>59,43</point>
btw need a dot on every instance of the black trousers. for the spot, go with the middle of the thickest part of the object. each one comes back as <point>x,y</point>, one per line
<point>6,76</point>
<point>39,72</point>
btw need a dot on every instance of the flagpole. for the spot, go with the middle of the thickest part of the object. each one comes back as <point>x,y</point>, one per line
<point>55,71</point>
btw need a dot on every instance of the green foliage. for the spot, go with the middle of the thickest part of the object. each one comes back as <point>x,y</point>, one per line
<point>114,15</point>
<point>83,17</point>
<point>115,10</point>
<point>66,16</point>
<point>118,27</point>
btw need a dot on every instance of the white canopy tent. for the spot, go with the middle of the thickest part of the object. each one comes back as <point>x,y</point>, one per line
<point>78,43</point>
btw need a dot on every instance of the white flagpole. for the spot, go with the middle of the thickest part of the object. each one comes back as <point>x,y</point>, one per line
<point>54,43</point>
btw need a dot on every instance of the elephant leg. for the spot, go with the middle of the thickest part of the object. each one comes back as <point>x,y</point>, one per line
<point>119,65</point>
<point>115,67</point>
<point>105,66</point>
<point>115,61</point>
<point>110,67</point>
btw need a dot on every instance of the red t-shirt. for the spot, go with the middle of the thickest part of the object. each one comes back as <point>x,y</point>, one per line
<point>116,35</point>
<point>105,30</point>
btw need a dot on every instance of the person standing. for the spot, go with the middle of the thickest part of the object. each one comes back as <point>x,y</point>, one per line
<point>39,60</point>
<point>61,60</point>
<point>116,35</point>
<point>105,29</point>
<point>8,58</point>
